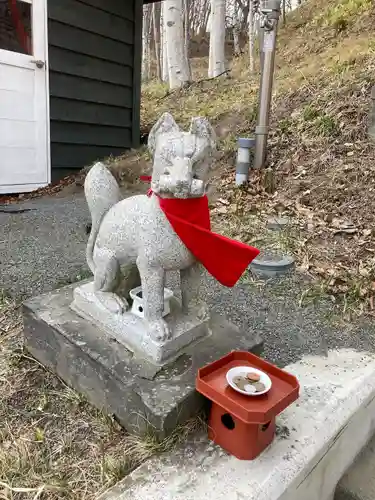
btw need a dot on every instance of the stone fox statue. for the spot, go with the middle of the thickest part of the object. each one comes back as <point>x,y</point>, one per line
<point>135,231</point>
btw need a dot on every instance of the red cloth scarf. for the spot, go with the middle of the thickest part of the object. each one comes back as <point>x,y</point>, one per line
<point>225,259</point>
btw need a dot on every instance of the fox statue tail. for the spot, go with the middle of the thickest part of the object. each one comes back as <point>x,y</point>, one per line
<point>102,192</point>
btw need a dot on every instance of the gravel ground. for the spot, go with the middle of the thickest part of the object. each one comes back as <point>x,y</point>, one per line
<point>44,248</point>
<point>289,331</point>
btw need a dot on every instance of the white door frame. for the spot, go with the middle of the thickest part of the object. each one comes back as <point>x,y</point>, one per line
<point>39,53</point>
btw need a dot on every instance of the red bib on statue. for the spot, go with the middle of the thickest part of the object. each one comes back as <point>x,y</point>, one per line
<point>225,259</point>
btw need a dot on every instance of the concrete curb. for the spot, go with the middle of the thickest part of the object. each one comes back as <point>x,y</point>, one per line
<point>319,438</point>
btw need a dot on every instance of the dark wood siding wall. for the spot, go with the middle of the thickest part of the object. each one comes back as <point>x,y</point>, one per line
<point>94,72</point>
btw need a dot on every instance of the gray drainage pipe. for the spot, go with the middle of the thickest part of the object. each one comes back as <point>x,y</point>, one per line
<point>244,159</point>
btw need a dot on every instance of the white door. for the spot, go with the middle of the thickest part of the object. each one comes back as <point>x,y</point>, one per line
<point>24,109</point>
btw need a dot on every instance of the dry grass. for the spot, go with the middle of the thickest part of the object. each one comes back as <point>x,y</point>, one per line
<point>53,444</point>
<point>323,162</point>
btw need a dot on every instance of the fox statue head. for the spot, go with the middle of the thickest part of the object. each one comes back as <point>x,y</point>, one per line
<point>181,160</point>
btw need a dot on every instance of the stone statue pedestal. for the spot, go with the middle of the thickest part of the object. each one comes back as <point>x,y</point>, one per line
<point>131,330</point>
<point>142,395</point>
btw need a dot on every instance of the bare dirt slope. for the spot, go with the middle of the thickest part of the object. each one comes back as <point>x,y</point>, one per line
<point>323,163</point>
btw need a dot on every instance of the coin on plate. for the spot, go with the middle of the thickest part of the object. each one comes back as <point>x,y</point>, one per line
<point>240,382</point>
<point>241,385</point>
<point>253,377</point>
<point>259,387</point>
<point>250,389</point>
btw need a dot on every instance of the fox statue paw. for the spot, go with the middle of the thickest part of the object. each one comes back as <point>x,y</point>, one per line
<point>159,330</point>
<point>112,302</point>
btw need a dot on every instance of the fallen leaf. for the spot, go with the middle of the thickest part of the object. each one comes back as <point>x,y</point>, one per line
<point>220,210</point>
<point>224,202</point>
<point>364,272</point>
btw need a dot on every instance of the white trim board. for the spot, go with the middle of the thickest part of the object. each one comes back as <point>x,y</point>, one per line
<point>20,188</point>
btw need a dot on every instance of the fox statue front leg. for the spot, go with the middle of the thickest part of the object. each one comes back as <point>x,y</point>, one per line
<point>152,279</point>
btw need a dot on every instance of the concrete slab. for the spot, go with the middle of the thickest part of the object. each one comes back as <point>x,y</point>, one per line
<point>359,481</point>
<point>319,437</point>
<point>142,395</point>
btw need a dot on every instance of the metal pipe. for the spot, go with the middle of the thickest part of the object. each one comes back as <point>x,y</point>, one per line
<point>270,19</point>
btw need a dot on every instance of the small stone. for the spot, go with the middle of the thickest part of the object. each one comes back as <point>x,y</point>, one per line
<point>259,387</point>
<point>250,389</point>
<point>253,377</point>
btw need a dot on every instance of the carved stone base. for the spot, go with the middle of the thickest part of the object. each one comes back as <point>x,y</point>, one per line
<point>139,393</point>
<point>131,330</point>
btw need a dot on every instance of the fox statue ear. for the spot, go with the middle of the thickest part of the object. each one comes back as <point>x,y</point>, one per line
<point>202,128</point>
<point>165,124</point>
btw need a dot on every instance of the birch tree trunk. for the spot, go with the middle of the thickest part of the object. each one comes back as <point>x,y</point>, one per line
<point>177,63</point>
<point>217,38</point>
<point>156,23</point>
<point>187,36</point>
<point>164,57</point>
<point>236,32</point>
<point>211,47</point>
<point>149,43</point>
<point>244,6</point>
<point>206,16</point>
<point>146,43</point>
<point>251,36</point>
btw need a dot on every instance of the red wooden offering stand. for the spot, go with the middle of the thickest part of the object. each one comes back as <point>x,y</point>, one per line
<point>244,425</point>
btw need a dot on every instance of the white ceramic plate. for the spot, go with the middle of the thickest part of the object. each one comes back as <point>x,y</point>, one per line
<point>241,370</point>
